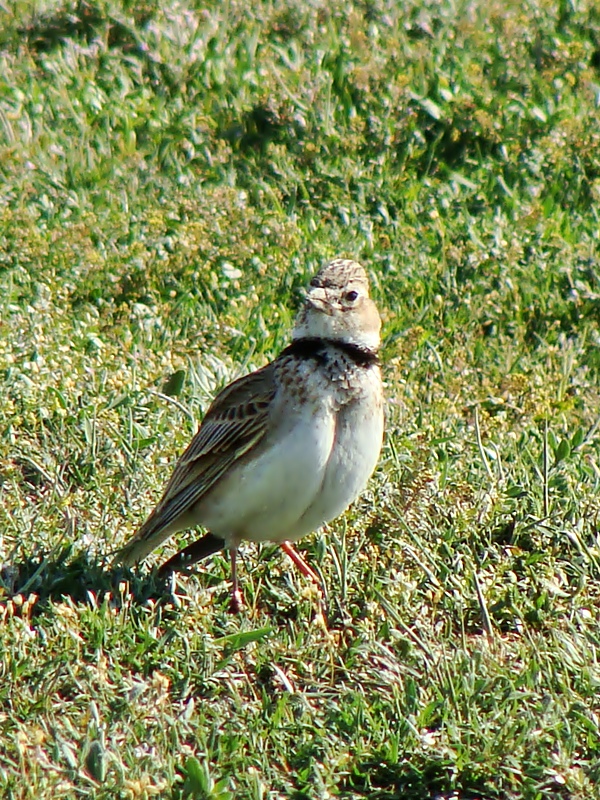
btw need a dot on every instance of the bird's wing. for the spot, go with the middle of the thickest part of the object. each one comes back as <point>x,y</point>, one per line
<point>235,423</point>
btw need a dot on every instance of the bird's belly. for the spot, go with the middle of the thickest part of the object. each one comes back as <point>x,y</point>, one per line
<point>264,497</point>
<point>353,457</point>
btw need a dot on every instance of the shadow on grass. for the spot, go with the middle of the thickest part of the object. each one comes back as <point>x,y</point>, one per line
<point>57,576</point>
<point>424,779</point>
<point>427,781</point>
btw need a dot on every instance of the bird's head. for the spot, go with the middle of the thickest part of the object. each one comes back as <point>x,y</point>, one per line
<point>338,307</point>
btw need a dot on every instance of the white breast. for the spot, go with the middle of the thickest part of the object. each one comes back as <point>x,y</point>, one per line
<point>356,448</point>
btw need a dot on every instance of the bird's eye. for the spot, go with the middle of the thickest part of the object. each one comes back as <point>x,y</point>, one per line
<point>350,297</point>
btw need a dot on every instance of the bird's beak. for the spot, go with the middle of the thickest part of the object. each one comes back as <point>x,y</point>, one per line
<point>318,299</point>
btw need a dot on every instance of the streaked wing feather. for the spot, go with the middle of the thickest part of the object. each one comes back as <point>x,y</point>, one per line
<point>235,422</point>
<point>215,440</point>
<point>203,476</point>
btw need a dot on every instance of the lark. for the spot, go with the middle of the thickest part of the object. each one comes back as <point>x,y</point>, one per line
<point>287,448</point>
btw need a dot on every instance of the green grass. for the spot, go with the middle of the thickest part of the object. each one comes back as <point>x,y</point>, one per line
<point>170,175</point>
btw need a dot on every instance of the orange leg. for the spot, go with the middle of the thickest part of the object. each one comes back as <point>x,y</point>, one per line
<point>311,574</point>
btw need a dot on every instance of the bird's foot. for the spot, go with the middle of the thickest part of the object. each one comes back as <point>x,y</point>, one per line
<point>236,603</point>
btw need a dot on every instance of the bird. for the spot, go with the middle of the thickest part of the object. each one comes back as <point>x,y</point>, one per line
<point>287,448</point>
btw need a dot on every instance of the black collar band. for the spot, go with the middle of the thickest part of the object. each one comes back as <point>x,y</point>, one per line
<point>314,347</point>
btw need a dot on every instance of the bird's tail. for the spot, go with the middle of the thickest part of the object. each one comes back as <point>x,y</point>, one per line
<point>145,540</point>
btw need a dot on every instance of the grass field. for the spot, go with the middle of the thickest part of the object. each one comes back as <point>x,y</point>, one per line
<point>170,176</point>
